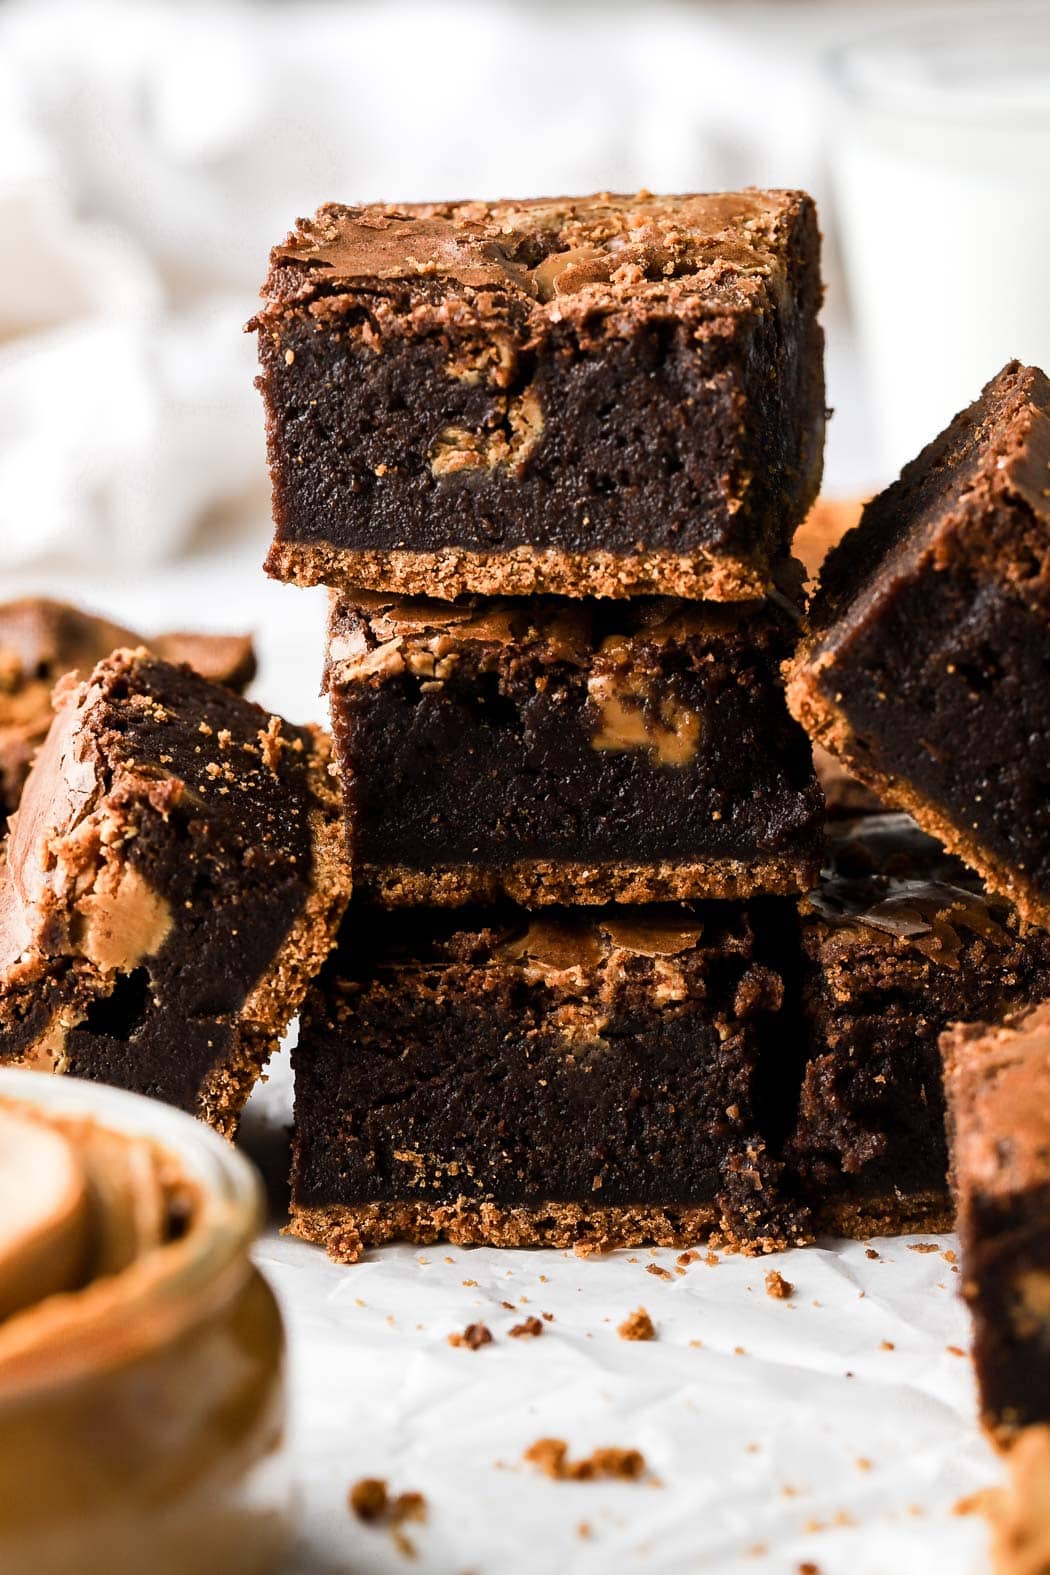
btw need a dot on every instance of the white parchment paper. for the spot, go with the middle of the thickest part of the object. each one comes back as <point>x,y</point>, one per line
<point>834,1430</point>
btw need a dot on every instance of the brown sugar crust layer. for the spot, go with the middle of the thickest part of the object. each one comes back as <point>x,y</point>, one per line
<point>452,572</point>
<point>634,374</point>
<point>535,883</point>
<point>918,1213</point>
<point>346,1231</point>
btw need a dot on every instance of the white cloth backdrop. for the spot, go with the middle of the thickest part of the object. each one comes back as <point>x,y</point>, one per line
<point>150,154</point>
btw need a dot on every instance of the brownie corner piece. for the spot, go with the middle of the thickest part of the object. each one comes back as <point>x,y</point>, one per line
<point>561,752</point>
<point>602,395</point>
<point>925,668</point>
<point>997,1089</point>
<point>559,1079</point>
<point>174,877</point>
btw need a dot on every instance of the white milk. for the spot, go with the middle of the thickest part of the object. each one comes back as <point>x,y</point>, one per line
<point>941,163</point>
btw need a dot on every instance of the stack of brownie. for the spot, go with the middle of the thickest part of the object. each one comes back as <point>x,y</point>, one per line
<point>550,456</point>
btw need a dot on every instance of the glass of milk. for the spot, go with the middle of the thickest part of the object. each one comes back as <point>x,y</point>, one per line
<point>940,152</point>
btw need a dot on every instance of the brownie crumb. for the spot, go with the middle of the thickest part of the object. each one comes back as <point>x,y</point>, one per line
<point>509,1306</point>
<point>550,1456</point>
<point>527,1330</point>
<point>887,1345</point>
<point>660,1272</point>
<point>369,1499</point>
<point>408,1507</point>
<point>955,1350</point>
<point>809,1568</point>
<point>862,1463</point>
<point>585,1530</point>
<point>474,1336</point>
<point>371,1502</point>
<point>547,1317</point>
<point>637,1326</point>
<point>923,1246</point>
<point>777,1287</point>
<point>684,1259</point>
<point>712,1260</point>
<point>869,1252</point>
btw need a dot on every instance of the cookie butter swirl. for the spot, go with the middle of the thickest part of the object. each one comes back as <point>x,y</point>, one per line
<point>89,1218</point>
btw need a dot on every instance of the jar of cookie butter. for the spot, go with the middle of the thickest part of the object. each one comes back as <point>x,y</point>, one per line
<point>141,1353</point>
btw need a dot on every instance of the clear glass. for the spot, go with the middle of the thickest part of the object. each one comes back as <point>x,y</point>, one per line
<point>152,1438</point>
<point>940,152</point>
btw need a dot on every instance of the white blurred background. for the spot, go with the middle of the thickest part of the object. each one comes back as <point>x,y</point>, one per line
<point>152,151</point>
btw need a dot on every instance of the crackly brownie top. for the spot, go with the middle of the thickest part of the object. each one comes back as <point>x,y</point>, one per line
<point>371,633</point>
<point>888,882</point>
<point>156,795</point>
<point>946,502</point>
<point>547,250</point>
<point>998,1088</point>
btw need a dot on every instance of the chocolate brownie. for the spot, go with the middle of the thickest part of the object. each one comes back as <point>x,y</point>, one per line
<point>41,640</point>
<point>174,877</point>
<point>898,941</point>
<point>578,1076</point>
<point>587,396</point>
<point>997,1086</point>
<point>561,751</point>
<point>926,667</point>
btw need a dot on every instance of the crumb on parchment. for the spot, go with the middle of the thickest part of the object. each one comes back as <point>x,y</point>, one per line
<point>528,1330</point>
<point>474,1336</point>
<point>637,1326</point>
<point>550,1456</point>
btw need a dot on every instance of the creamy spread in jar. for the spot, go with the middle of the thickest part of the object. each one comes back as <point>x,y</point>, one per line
<point>141,1354</point>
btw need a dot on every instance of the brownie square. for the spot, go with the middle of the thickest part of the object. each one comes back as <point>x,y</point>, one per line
<point>926,668</point>
<point>585,396</point>
<point>174,876</point>
<point>42,640</point>
<point>559,751</point>
<point>564,1078</point>
<point>997,1085</point>
<point>898,942</point>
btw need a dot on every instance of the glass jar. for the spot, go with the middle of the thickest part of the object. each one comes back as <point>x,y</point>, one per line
<point>940,156</point>
<point>142,1414</point>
